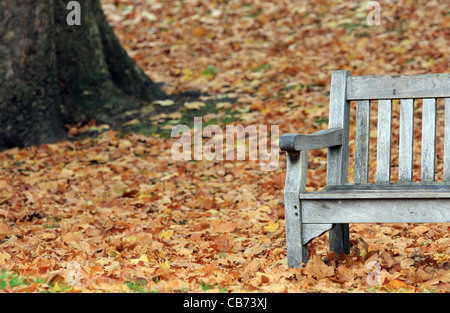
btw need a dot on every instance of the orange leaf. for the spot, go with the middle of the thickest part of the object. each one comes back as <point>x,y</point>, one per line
<point>396,284</point>
<point>210,268</point>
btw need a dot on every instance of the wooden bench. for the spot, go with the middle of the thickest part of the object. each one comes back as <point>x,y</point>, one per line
<point>310,214</point>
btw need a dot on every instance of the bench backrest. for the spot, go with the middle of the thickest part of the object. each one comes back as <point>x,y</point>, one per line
<point>407,88</point>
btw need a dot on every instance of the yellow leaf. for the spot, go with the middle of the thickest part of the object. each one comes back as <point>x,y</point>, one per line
<point>188,75</point>
<point>112,253</point>
<point>237,82</point>
<point>365,249</point>
<point>266,111</point>
<point>271,227</point>
<point>313,109</point>
<point>142,258</point>
<point>195,105</point>
<point>166,234</point>
<point>166,265</point>
<point>4,257</point>
<point>164,103</point>
<point>56,287</point>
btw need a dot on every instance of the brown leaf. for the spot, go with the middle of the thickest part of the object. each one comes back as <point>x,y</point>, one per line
<point>419,230</point>
<point>5,230</point>
<point>345,273</point>
<point>418,276</point>
<point>210,268</point>
<point>253,266</point>
<point>388,259</point>
<point>223,227</point>
<point>318,269</point>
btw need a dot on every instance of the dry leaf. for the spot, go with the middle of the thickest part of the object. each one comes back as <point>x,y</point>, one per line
<point>164,103</point>
<point>195,105</point>
<point>271,227</point>
<point>318,269</point>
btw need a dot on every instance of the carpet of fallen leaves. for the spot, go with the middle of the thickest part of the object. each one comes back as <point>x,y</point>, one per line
<point>133,219</point>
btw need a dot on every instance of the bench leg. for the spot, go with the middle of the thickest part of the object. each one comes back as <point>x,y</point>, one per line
<point>297,251</point>
<point>339,239</point>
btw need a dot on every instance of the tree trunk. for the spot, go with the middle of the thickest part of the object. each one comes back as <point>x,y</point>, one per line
<point>52,73</point>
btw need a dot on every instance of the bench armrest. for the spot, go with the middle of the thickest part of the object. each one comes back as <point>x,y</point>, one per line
<point>323,139</point>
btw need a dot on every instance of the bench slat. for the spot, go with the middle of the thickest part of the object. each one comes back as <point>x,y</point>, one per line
<point>428,139</point>
<point>362,141</point>
<point>405,171</point>
<point>377,194</point>
<point>398,187</point>
<point>447,141</point>
<point>398,86</point>
<point>384,141</point>
<point>376,211</point>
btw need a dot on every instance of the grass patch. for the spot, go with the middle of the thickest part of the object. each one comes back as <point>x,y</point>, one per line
<point>139,286</point>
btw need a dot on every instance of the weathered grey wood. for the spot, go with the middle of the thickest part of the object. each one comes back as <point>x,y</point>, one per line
<point>322,139</point>
<point>398,86</point>
<point>384,141</point>
<point>311,231</point>
<point>428,140</point>
<point>405,171</point>
<point>297,251</point>
<point>309,214</point>
<point>376,211</point>
<point>399,187</point>
<point>337,159</point>
<point>362,141</point>
<point>447,141</point>
<point>376,194</point>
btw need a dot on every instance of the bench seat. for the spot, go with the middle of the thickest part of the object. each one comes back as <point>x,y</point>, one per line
<point>390,203</point>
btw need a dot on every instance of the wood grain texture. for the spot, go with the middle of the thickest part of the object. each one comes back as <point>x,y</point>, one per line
<point>398,86</point>
<point>323,139</point>
<point>405,171</point>
<point>297,252</point>
<point>447,141</point>
<point>339,118</point>
<point>428,140</point>
<point>362,141</point>
<point>337,159</point>
<point>384,141</point>
<point>376,211</point>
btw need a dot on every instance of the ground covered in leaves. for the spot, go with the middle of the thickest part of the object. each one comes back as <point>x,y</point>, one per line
<point>117,213</point>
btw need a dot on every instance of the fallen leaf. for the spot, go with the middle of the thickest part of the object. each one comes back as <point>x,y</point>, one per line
<point>396,284</point>
<point>210,268</point>
<point>5,230</point>
<point>142,258</point>
<point>195,105</point>
<point>271,227</point>
<point>166,234</point>
<point>164,103</point>
<point>317,268</point>
<point>418,276</point>
<point>4,257</point>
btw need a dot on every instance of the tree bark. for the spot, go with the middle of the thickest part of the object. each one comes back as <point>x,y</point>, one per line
<point>52,73</point>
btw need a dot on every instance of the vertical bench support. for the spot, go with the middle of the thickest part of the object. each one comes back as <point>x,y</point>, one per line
<point>297,250</point>
<point>337,160</point>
